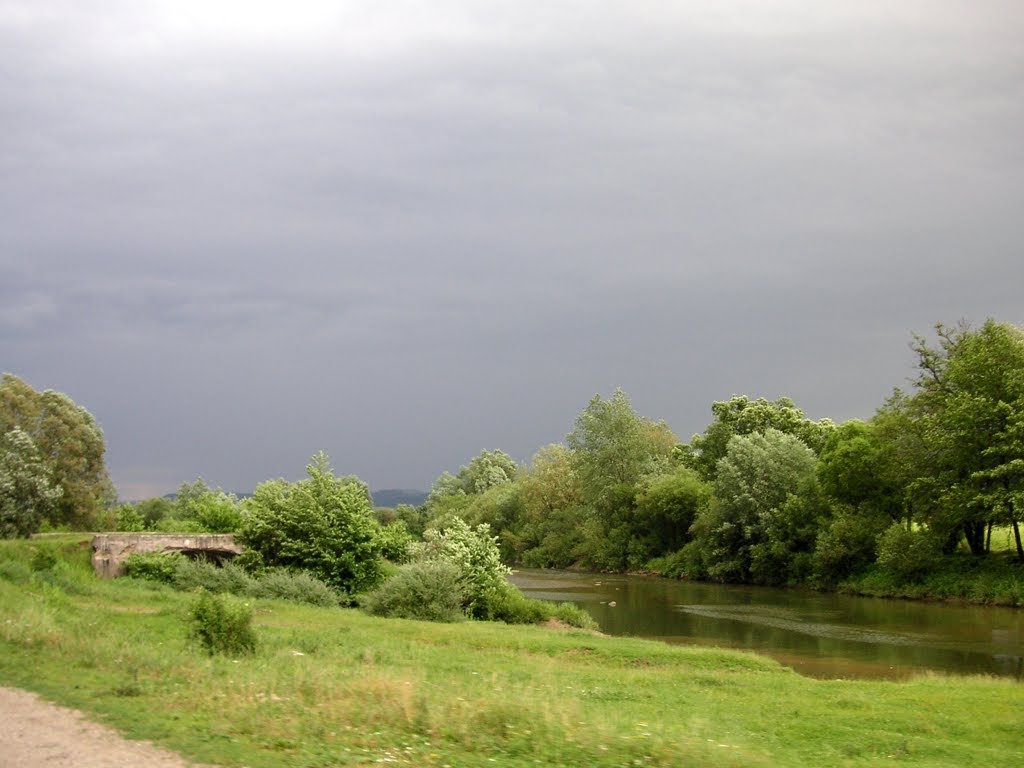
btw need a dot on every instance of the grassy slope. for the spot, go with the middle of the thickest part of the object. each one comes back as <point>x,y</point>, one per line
<point>335,687</point>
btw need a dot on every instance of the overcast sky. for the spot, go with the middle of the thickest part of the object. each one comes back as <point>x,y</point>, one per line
<point>402,232</point>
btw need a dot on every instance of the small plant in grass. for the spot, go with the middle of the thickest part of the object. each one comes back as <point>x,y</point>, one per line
<point>221,624</point>
<point>203,574</point>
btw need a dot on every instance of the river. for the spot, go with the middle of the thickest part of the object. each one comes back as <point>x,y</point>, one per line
<point>818,634</point>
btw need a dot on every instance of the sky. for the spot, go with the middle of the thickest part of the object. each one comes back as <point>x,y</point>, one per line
<point>243,231</point>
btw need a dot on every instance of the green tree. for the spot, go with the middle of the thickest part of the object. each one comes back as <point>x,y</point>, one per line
<point>965,416</point>
<point>612,448</point>
<point>739,415</point>
<point>474,551</point>
<point>322,524</point>
<point>69,442</point>
<point>666,507</point>
<point>27,496</point>
<point>762,523</point>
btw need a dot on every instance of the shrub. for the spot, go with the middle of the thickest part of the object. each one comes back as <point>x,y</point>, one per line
<point>322,524</point>
<point>222,625</point>
<point>574,616</point>
<point>905,554</point>
<point>431,590</point>
<point>847,545</point>
<point>153,566</point>
<point>511,606</point>
<point>475,553</point>
<point>298,587</point>
<point>128,519</point>
<point>202,574</point>
<point>394,540</point>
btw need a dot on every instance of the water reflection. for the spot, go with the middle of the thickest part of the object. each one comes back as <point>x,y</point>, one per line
<point>821,635</point>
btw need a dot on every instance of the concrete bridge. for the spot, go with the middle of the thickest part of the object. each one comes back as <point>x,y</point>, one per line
<point>109,550</point>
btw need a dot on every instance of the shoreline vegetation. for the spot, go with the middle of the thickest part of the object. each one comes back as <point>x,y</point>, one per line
<point>335,686</point>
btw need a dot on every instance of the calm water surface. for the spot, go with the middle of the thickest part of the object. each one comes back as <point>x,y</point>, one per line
<point>821,635</point>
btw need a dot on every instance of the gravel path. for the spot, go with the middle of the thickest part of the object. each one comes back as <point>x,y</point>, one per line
<point>37,734</point>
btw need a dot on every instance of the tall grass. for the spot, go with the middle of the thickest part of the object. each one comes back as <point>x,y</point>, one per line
<point>334,686</point>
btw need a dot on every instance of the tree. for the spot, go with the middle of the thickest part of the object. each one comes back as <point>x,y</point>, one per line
<point>611,449</point>
<point>739,415</point>
<point>322,524</point>
<point>474,552</point>
<point>666,507</point>
<point>27,496</point>
<point>762,523</point>
<point>486,470</point>
<point>69,443</point>
<point>966,417</point>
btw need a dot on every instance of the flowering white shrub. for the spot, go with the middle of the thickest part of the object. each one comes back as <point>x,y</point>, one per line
<point>475,553</point>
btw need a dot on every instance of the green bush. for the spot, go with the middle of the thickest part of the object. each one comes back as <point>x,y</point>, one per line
<point>129,519</point>
<point>221,624</point>
<point>202,574</point>
<point>574,616</point>
<point>430,590</point>
<point>298,587</point>
<point>908,555</point>
<point>153,566</point>
<point>847,545</point>
<point>511,606</point>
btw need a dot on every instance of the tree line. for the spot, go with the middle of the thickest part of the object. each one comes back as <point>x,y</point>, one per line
<point>763,495</point>
<point>766,495</point>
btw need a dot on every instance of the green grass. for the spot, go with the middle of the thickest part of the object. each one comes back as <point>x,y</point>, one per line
<point>330,687</point>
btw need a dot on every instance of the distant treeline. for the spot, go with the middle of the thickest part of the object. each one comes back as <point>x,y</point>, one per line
<point>767,496</point>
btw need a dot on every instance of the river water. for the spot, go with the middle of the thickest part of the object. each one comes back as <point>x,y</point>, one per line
<point>817,634</point>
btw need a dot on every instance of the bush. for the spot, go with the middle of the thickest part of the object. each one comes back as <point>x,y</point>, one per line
<point>322,524</point>
<point>202,574</point>
<point>847,545</point>
<point>511,606</point>
<point>298,587</point>
<point>153,566</point>
<point>574,616</point>
<point>394,540</point>
<point>474,552</point>
<point>222,625</point>
<point>907,555</point>
<point>128,519</point>
<point>430,590</point>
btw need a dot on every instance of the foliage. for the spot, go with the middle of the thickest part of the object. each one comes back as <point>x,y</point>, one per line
<point>611,449</point>
<point>847,545</point>
<point>221,624</point>
<point>394,540</point>
<point>193,574</point>
<point>742,416</point>
<point>763,519</point>
<point>666,507</point>
<point>153,566</point>
<point>474,552</point>
<point>430,590</point>
<point>908,554</point>
<point>322,524</point>
<point>129,520</point>
<point>213,511</point>
<point>294,586</point>
<point>27,495</point>
<point>70,445</point>
<point>487,470</point>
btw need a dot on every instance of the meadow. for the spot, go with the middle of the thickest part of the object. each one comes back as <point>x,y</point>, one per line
<point>333,686</point>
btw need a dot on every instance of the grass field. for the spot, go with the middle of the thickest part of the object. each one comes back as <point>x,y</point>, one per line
<point>333,687</point>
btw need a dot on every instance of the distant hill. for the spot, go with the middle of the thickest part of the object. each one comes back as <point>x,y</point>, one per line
<point>392,497</point>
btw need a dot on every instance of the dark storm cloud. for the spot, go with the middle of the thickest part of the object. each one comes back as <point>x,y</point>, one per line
<point>240,235</point>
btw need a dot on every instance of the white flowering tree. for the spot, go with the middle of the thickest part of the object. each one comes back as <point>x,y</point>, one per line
<point>475,553</point>
<point>27,495</point>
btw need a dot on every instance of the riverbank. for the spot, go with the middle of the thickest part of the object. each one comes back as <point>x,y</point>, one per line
<point>337,687</point>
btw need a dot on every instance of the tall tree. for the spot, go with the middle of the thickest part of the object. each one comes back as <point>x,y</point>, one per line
<point>69,442</point>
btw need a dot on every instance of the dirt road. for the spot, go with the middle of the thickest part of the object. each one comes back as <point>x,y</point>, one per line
<point>37,734</point>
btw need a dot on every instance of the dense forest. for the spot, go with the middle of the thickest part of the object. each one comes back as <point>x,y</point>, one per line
<point>930,487</point>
